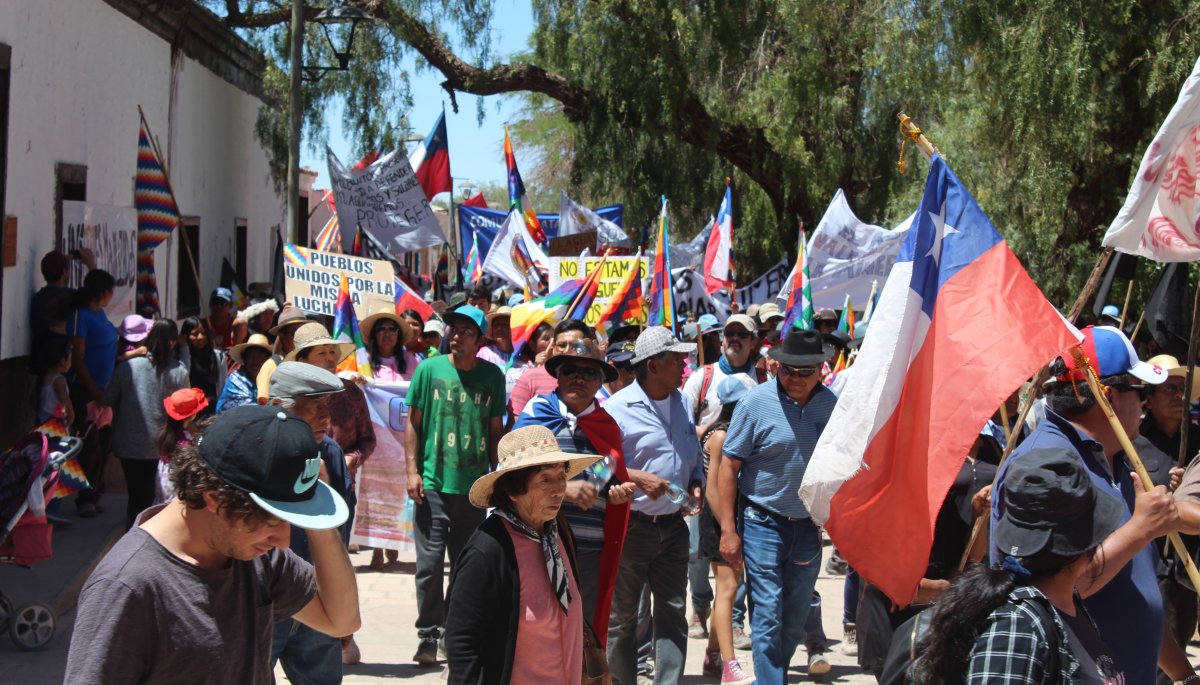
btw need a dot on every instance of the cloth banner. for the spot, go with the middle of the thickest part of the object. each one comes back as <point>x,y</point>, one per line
<point>615,268</point>
<point>379,519</point>
<point>110,233</point>
<point>387,201</point>
<point>846,255</point>
<point>575,218</point>
<point>312,279</point>
<point>486,223</point>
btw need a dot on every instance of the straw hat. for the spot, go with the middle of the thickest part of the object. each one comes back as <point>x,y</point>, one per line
<point>1172,366</point>
<point>526,448</point>
<point>257,340</point>
<point>379,309</point>
<point>499,311</point>
<point>313,334</point>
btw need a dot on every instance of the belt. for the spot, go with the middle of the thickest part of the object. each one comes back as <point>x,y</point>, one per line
<point>775,515</point>
<point>655,518</point>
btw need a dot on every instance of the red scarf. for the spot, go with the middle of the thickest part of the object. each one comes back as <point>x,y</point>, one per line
<point>605,436</point>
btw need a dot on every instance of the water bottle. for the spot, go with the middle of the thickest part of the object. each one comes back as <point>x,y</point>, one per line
<point>688,505</point>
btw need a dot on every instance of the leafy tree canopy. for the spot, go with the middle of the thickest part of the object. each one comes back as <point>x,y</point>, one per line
<point>1043,108</point>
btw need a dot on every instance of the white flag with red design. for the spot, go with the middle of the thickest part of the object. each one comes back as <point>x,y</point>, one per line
<point>1161,216</point>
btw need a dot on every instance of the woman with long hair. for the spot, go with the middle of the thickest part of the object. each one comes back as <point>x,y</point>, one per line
<point>386,336</point>
<point>93,358</point>
<point>136,395</point>
<point>206,364</point>
<point>1023,621</point>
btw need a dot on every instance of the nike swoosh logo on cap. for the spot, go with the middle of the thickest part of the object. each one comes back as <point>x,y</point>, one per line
<point>312,470</point>
<point>303,484</point>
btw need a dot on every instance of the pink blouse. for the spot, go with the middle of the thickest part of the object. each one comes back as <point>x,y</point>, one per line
<point>542,626</point>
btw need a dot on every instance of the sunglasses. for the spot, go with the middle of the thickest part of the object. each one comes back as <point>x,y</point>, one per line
<point>387,329</point>
<point>803,371</point>
<point>738,334</point>
<point>587,373</point>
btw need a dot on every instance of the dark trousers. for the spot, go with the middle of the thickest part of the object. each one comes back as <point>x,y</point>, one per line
<point>443,523</point>
<point>93,454</point>
<point>140,478</point>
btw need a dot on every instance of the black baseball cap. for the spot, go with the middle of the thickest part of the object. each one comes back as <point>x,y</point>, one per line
<point>1052,507</point>
<point>273,456</point>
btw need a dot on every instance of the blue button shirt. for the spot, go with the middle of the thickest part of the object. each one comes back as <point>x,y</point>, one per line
<point>1128,610</point>
<point>652,442</point>
<point>773,436</point>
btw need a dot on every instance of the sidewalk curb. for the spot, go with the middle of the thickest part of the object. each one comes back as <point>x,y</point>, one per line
<point>68,598</point>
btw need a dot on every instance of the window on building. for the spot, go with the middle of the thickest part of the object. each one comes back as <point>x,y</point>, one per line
<point>239,256</point>
<point>187,291</point>
<point>71,184</point>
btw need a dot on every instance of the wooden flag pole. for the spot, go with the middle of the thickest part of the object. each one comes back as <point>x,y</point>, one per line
<point>1082,362</point>
<point>1193,343</point>
<point>1125,307</point>
<point>1089,288</point>
<point>1137,327</point>
<point>167,177</point>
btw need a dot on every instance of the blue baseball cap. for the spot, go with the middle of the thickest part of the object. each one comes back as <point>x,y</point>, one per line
<point>516,299</point>
<point>1110,352</point>
<point>469,313</point>
<point>734,387</point>
<point>708,323</point>
<point>1110,310</point>
<point>222,294</point>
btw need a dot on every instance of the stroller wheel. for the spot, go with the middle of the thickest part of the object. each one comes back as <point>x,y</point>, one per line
<point>6,614</point>
<point>32,626</point>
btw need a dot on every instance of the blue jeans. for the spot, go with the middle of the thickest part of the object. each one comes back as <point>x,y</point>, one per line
<point>783,558</point>
<point>309,657</point>
<point>655,554</point>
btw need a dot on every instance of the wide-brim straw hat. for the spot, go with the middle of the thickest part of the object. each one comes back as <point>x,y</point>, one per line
<point>525,448</point>
<point>1172,366</point>
<point>313,334</point>
<point>378,310</point>
<point>257,340</point>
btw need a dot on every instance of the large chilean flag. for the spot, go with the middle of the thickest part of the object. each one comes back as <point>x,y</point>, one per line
<point>959,326</point>
<point>431,161</point>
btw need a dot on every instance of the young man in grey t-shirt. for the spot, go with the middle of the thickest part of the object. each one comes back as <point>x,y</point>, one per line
<point>191,592</point>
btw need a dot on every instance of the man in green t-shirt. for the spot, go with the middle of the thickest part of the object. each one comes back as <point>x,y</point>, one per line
<point>454,407</point>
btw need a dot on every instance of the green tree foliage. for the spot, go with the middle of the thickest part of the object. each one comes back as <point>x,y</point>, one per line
<point>1043,108</point>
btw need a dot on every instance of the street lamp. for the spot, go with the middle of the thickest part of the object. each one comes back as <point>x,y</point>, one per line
<point>336,15</point>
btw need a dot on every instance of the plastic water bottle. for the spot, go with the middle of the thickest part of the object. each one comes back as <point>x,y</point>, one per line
<point>688,504</point>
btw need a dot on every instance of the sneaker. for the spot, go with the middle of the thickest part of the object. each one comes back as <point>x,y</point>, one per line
<point>817,663</point>
<point>698,626</point>
<point>350,652</point>
<point>733,674</point>
<point>712,663</point>
<point>836,565</point>
<point>426,652</point>
<point>442,647</point>
<point>644,679</point>
<point>850,640</point>
<point>741,640</point>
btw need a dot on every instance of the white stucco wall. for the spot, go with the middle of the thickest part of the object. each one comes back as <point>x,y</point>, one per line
<point>79,71</point>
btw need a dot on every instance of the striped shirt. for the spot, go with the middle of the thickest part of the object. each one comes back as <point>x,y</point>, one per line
<point>774,437</point>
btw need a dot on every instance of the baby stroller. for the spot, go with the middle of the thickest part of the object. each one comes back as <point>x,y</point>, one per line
<point>29,474</point>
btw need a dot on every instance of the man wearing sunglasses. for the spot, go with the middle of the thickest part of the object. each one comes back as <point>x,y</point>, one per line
<point>1120,588</point>
<point>764,524</point>
<point>738,355</point>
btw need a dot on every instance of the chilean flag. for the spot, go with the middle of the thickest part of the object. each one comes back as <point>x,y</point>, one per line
<point>407,298</point>
<point>958,328</point>
<point>718,262</point>
<point>431,161</point>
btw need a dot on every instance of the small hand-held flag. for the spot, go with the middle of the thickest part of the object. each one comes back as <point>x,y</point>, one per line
<point>431,161</point>
<point>799,313</point>
<point>407,298</point>
<point>846,322</point>
<point>345,330</point>
<point>626,305</point>
<point>718,255</point>
<point>473,268</point>
<point>661,295</point>
<point>517,199</point>
<point>158,214</point>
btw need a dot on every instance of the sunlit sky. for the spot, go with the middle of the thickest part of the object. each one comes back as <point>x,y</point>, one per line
<point>476,151</point>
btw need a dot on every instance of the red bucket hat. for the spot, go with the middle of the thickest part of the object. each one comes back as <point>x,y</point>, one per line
<point>184,404</point>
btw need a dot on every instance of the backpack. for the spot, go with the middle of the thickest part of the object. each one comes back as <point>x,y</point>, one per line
<point>906,644</point>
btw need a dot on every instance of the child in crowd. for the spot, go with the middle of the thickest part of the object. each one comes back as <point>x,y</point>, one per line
<point>54,392</point>
<point>182,407</point>
<point>133,332</point>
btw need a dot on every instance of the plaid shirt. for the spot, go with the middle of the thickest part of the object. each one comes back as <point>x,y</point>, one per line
<point>1015,647</point>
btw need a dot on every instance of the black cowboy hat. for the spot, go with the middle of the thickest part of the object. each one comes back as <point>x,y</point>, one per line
<point>802,348</point>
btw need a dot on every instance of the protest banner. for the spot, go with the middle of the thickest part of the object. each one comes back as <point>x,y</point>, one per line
<point>387,201</point>
<point>312,279</point>
<point>764,289</point>
<point>846,255</point>
<point>111,234</point>
<point>615,268</point>
<point>486,223</point>
<point>379,519</point>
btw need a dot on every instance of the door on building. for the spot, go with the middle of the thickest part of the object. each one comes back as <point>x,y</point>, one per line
<point>187,291</point>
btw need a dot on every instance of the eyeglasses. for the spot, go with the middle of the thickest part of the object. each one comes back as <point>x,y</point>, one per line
<point>1127,387</point>
<point>803,371</point>
<point>587,373</point>
<point>737,334</point>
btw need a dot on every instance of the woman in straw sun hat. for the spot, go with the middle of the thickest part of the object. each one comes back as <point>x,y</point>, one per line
<point>514,613</point>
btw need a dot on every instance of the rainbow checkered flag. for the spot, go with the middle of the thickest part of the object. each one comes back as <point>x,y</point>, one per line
<point>158,215</point>
<point>346,330</point>
<point>71,478</point>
